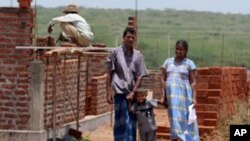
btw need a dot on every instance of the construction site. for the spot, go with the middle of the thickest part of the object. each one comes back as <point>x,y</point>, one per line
<point>48,91</point>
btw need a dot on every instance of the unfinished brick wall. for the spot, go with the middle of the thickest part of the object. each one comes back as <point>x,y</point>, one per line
<point>16,30</point>
<point>96,67</point>
<point>153,83</point>
<point>96,63</point>
<point>61,81</point>
<point>218,88</point>
<point>99,104</point>
<point>93,86</point>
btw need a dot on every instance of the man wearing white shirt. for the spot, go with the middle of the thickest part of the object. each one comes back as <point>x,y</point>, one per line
<point>73,26</point>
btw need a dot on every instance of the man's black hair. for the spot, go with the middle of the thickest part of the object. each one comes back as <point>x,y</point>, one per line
<point>130,30</point>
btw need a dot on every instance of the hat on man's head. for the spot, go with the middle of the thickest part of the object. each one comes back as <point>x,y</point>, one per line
<point>71,9</point>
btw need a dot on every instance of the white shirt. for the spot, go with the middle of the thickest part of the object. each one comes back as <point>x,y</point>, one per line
<point>78,21</point>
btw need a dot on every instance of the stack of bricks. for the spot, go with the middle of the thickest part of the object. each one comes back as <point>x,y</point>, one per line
<point>218,88</point>
<point>132,22</point>
<point>24,3</point>
<point>99,103</point>
<point>45,41</point>
<point>66,81</point>
<point>68,44</point>
<point>98,45</point>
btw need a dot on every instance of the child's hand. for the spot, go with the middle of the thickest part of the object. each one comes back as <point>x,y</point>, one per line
<point>163,102</point>
<point>110,99</point>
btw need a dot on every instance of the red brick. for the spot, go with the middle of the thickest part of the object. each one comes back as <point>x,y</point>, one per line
<point>212,100</point>
<point>203,71</point>
<point>4,98</point>
<point>10,116</point>
<point>215,71</point>
<point>200,107</point>
<point>202,86</point>
<point>215,78</point>
<point>9,104</point>
<point>21,92</point>
<point>200,121</point>
<point>4,109</point>
<point>216,85</point>
<point>210,122</point>
<point>8,126</point>
<point>207,115</point>
<point>211,107</point>
<point>202,78</point>
<point>214,93</point>
<point>201,92</point>
<point>163,129</point>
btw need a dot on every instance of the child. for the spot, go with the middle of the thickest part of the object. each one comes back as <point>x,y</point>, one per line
<point>143,110</point>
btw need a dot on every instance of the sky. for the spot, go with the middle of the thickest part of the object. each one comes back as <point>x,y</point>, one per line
<point>221,6</point>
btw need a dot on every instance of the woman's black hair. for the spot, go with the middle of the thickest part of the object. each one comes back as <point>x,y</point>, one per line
<point>130,30</point>
<point>184,43</point>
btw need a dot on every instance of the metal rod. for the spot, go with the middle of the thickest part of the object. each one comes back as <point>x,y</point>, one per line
<point>65,103</point>
<point>67,93</point>
<point>78,91</point>
<point>168,44</point>
<point>136,24</point>
<point>222,50</point>
<point>87,76</point>
<point>61,48</point>
<point>54,97</point>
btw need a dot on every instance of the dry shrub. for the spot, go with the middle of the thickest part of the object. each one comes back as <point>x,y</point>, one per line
<point>214,136</point>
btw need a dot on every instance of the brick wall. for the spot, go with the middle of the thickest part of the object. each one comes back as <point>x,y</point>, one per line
<point>99,103</point>
<point>16,30</point>
<point>64,79</point>
<point>96,67</point>
<point>217,89</point>
<point>153,83</point>
<point>93,86</point>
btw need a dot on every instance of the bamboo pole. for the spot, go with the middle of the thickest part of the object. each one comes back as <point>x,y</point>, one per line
<point>54,96</point>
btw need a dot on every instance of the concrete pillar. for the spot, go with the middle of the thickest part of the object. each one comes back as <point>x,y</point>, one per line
<point>36,131</point>
<point>36,92</point>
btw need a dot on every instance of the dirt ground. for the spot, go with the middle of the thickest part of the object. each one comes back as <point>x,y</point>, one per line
<point>105,132</point>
